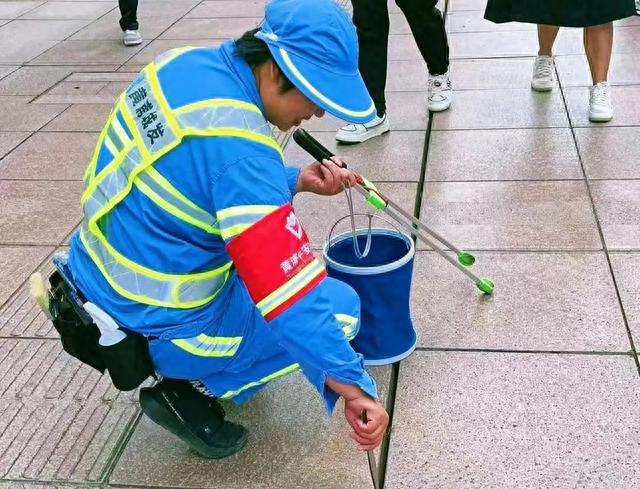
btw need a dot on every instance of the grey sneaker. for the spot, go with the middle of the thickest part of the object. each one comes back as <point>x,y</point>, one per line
<point>542,80</point>
<point>600,108</point>
<point>440,93</point>
<point>132,38</point>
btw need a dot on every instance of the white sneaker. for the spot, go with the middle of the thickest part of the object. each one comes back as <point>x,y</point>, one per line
<point>439,92</point>
<point>132,38</point>
<point>542,80</point>
<point>358,133</point>
<point>600,108</point>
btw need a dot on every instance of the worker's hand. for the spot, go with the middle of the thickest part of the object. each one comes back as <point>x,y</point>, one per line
<point>325,179</point>
<point>368,436</point>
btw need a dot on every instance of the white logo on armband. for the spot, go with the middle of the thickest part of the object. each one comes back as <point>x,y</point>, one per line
<point>293,225</point>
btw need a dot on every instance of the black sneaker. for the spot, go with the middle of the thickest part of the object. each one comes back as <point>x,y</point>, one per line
<point>196,419</point>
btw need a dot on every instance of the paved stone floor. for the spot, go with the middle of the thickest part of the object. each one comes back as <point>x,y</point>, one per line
<point>536,386</point>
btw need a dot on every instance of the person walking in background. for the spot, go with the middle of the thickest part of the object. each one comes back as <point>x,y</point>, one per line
<point>129,22</point>
<point>595,16</point>
<point>371,18</point>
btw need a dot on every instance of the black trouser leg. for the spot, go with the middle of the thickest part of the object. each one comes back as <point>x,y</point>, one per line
<point>371,19</point>
<point>128,12</point>
<point>427,26</point>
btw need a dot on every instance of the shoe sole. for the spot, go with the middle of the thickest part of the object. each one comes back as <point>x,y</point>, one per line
<point>439,108</point>
<point>163,417</point>
<point>372,133</point>
<point>541,88</point>
<point>600,118</point>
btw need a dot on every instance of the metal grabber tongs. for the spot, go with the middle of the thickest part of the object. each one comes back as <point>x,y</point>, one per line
<point>379,201</point>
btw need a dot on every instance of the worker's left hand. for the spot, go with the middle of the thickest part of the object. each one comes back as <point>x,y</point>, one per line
<point>325,179</point>
<point>367,435</point>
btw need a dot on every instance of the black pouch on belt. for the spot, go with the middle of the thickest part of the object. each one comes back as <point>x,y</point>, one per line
<point>128,361</point>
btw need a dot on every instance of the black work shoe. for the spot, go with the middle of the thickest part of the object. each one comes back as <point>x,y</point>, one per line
<point>196,419</point>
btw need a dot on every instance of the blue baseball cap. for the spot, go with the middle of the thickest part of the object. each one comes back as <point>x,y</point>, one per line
<point>315,45</point>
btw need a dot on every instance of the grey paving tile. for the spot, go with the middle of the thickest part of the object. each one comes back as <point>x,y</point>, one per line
<point>625,266</point>
<point>625,100</point>
<point>461,5</point>
<point>407,111</point>
<point>107,27</point>
<point>284,449</point>
<point>398,24</point>
<point>9,140</point>
<point>87,52</point>
<point>81,92</point>
<point>574,70</point>
<point>515,420</point>
<point>395,156</point>
<point>24,31</point>
<point>101,76</point>
<point>12,10</point>
<point>32,80</point>
<point>50,156</point>
<point>618,205</point>
<point>403,47</point>
<point>610,152</point>
<point>60,10</point>
<point>492,45</point>
<point>218,28</point>
<point>512,215</point>
<point>474,21</point>
<point>228,8</point>
<point>497,73</point>
<point>19,51</point>
<point>38,213</point>
<point>16,264</point>
<point>542,301</point>
<point>635,20</point>
<point>81,117</point>
<point>318,214</point>
<point>488,109</point>
<point>505,154</point>
<point>6,70</point>
<point>64,419</point>
<point>404,76</point>
<point>570,41</point>
<point>159,46</point>
<point>17,114</point>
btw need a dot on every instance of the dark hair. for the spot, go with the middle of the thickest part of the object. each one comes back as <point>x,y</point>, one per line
<point>255,52</point>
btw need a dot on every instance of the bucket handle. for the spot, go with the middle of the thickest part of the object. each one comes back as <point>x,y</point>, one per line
<point>354,237</point>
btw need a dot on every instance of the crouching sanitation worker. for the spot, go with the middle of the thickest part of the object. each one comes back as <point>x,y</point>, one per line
<point>190,240</point>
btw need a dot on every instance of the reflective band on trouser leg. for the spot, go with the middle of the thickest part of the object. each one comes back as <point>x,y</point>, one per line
<point>147,286</point>
<point>349,325</point>
<point>262,381</point>
<point>210,346</point>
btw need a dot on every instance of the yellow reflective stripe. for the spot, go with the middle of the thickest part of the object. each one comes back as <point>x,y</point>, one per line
<point>238,210</point>
<point>165,184</point>
<point>348,324</point>
<point>122,134</point>
<point>109,144</point>
<point>115,163</point>
<point>88,175</point>
<point>214,102</point>
<point>290,288</point>
<point>239,133</point>
<point>213,346</point>
<point>323,98</point>
<point>152,273</point>
<point>172,54</point>
<point>154,84</point>
<point>263,380</point>
<point>171,209</point>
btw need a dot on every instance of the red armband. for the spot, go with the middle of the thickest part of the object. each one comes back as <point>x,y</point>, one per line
<point>274,259</point>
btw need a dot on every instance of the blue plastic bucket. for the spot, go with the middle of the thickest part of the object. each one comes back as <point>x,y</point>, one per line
<point>382,279</point>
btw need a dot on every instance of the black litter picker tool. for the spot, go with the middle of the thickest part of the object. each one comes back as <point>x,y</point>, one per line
<point>414,226</point>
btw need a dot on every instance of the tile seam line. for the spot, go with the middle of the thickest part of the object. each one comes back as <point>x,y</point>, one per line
<point>598,224</point>
<point>629,353</point>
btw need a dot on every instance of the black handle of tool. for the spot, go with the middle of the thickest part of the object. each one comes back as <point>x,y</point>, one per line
<point>312,146</point>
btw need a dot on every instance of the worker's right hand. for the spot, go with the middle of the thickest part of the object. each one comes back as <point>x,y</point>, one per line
<point>367,435</point>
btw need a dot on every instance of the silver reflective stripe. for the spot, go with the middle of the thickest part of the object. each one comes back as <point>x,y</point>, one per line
<point>224,117</point>
<point>151,122</point>
<point>160,288</point>
<point>115,139</point>
<point>113,183</point>
<point>201,217</point>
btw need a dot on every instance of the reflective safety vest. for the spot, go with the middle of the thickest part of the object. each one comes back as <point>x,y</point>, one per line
<point>151,129</point>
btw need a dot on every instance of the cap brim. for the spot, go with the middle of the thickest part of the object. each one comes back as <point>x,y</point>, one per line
<point>344,96</point>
